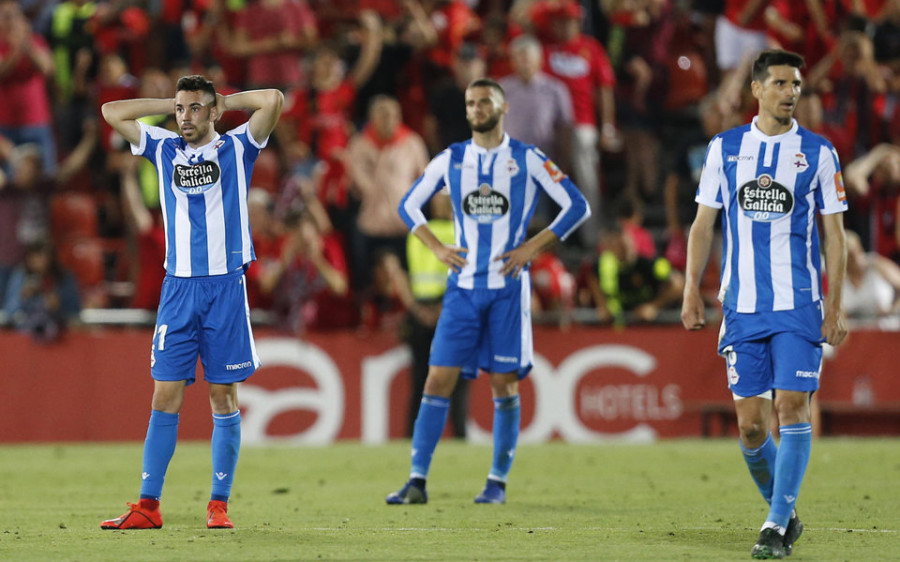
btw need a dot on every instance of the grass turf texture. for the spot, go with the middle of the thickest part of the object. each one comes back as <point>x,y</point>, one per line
<point>674,500</point>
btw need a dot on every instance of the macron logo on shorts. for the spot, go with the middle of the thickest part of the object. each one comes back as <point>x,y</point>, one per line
<point>239,366</point>
<point>807,374</point>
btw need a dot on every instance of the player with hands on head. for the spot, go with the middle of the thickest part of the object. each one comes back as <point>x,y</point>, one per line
<point>771,179</point>
<point>494,183</point>
<point>204,180</point>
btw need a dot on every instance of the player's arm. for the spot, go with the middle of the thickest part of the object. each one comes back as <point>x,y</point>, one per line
<point>451,256</point>
<point>423,189</point>
<point>266,107</point>
<point>834,326</point>
<point>699,246</point>
<point>518,258</point>
<point>122,115</point>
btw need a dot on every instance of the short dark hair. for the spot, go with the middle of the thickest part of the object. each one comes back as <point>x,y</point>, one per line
<point>195,83</point>
<point>487,83</point>
<point>774,57</point>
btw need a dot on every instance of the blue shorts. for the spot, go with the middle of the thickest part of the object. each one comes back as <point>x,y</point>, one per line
<point>776,350</point>
<point>205,316</point>
<point>488,329</point>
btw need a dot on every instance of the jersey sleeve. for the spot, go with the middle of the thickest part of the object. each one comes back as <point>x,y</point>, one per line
<point>574,208</point>
<point>151,136</point>
<point>830,196</point>
<point>709,191</point>
<point>430,182</point>
<point>243,131</point>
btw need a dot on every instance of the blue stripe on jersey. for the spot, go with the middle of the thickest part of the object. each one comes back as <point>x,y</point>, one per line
<point>199,237</point>
<point>800,223</point>
<point>731,144</point>
<point>517,184</point>
<point>166,169</point>
<point>485,230</point>
<point>457,153</point>
<point>762,237</point>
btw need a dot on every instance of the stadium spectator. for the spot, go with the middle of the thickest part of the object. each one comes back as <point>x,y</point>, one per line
<point>580,62</point>
<point>540,107</point>
<point>493,182</point>
<point>148,234</point>
<point>309,277</point>
<point>204,289</point>
<point>850,81</point>
<point>25,66</point>
<point>384,301</point>
<point>872,289</point>
<point>641,80</point>
<point>383,160</point>
<point>41,297</point>
<point>317,121</point>
<point>272,36</point>
<point>775,317</point>
<point>623,282</point>
<point>445,122</point>
<point>427,283</point>
<point>874,179</point>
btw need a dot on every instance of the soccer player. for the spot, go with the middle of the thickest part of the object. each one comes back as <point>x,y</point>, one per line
<point>485,323</point>
<point>771,178</point>
<point>203,182</point>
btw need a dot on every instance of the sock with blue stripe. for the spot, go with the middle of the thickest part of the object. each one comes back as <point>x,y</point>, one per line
<point>226,444</point>
<point>761,462</point>
<point>427,432</point>
<point>507,414</point>
<point>159,446</point>
<point>790,467</point>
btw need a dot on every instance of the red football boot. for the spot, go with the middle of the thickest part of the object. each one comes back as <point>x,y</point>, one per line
<point>217,515</point>
<point>140,516</point>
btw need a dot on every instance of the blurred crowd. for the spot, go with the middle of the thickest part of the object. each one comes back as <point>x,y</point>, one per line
<point>623,94</point>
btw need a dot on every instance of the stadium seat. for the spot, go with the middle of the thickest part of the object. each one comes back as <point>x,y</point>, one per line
<point>73,215</point>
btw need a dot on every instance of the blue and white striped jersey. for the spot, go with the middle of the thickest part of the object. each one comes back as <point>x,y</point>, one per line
<point>494,193</point>
<point>770,189</point>
<point>203,195</point>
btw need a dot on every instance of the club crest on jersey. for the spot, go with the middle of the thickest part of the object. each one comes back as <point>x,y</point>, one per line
<point>764,199</point>
<point>197,178</point>
<point>799,162</point>
<point>485,205</point>
<point>512,166</point>
<point>219,144</point>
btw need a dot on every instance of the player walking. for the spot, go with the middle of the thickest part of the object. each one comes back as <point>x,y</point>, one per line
<point>485,323</point>
<point>203,182</point>
<point>770,178</point>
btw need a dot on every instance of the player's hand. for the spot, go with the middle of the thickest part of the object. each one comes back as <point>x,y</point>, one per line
<point>220,105</point>
<point>517,259</point>
<point>834,326</point>
<point>693,312</point>
<point>452,256</point>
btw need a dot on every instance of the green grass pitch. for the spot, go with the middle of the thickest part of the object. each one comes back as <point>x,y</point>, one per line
<point>673,500</point>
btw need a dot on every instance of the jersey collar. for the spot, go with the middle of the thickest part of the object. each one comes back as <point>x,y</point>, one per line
<point>754,128</point>
<point>481,150</point>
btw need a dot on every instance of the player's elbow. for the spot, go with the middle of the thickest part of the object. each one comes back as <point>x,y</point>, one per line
<point>275,99</point>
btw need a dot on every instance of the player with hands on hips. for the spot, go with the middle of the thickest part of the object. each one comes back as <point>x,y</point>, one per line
<point>485,324</point>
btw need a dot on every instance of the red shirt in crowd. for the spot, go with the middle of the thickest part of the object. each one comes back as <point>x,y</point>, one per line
<point>23,91</point>
<point>583,66</point>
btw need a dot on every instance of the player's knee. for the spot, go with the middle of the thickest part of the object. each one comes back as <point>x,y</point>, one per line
<point>753,432</point>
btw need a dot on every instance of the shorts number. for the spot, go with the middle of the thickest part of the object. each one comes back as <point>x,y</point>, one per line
<point>162,336</point>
